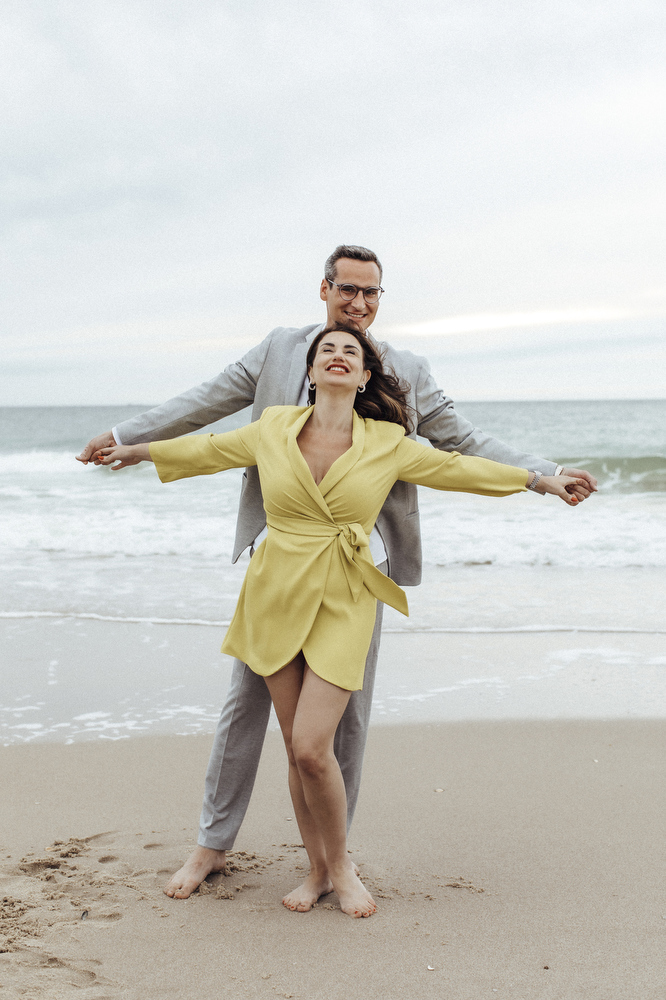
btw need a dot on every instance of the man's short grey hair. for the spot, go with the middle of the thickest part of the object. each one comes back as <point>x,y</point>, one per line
<point>351,253</point>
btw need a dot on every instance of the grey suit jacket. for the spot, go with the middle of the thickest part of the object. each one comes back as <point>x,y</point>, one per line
<point>272,374</point>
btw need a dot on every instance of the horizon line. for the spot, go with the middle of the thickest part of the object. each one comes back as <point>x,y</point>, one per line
<point>462,400</point>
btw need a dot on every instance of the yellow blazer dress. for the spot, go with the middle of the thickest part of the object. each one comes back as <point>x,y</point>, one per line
<point>312,585</point>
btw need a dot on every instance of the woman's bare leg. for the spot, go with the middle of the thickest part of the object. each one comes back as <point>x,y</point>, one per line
<point>319,710</point>
<point>285,689</point>
<point>309,710</point>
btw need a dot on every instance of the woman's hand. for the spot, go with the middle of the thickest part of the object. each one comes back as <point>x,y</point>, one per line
<point>124,454</point>
<point>571,490</point>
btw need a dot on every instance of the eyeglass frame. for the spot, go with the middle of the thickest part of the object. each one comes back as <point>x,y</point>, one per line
<point>380,291</point>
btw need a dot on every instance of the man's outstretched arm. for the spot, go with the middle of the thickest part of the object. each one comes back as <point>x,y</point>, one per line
<point>230,391</point>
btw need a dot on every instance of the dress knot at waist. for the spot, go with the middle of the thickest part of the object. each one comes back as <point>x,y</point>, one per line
<point>354,547</point>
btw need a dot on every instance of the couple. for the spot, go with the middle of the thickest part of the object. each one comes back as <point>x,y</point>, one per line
<point>275,373</point>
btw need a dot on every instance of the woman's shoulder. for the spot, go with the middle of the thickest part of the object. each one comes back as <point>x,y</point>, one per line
<point>282,414</point>
<point>384,430</point>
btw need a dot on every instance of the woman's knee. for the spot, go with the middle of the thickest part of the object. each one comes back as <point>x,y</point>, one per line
<point>311,759</point>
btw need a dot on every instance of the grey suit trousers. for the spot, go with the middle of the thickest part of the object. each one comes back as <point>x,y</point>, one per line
<point>239,739</point>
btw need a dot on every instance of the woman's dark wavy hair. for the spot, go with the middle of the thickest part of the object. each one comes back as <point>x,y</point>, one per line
<point>385,396</point>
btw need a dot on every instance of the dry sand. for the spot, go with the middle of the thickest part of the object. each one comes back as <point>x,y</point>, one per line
<point>508,859</point>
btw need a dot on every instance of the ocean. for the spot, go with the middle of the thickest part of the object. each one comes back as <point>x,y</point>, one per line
<point>85,543</point>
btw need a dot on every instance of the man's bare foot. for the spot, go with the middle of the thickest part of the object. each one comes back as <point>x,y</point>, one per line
<point>355,899</point>
<point>201,862</point>
<point>305,896</point>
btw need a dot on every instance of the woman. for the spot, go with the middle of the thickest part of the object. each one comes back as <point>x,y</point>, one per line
<point>306,611</point>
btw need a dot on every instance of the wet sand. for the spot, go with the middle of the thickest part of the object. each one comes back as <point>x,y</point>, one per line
<point>85,679</point>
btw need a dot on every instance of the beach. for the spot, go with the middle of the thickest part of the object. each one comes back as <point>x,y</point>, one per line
<point>516,854</point>
<point>511,817</point>
<point>173,195</point>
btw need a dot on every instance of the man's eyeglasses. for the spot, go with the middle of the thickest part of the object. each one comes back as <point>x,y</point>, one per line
<point>349,292</point>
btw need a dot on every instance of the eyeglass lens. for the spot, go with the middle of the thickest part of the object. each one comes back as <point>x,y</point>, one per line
<point>350,292</point>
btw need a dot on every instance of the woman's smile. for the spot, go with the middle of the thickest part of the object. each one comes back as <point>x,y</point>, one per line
<point>339,355</point>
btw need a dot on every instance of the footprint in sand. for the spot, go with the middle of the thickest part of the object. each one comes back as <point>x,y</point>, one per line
<point>39,974</point>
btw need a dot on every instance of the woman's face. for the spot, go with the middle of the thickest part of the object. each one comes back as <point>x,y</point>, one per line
<point>339,362</point>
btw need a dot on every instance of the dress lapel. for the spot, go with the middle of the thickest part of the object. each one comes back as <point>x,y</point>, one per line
<point>348,460</point>
<point>300,466</point>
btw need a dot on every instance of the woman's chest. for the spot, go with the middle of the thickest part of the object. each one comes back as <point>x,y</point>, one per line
<point>347,492</point>
<point>321,454</point>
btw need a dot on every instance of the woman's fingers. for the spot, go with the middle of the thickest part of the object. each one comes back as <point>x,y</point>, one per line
<point>107,456</point>
<point>577,490</point>
<point>569,489</point>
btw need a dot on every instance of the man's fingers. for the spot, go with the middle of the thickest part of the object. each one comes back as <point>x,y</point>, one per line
<point>85,454</point>
<point>89,452</point>
<point>590,481</point>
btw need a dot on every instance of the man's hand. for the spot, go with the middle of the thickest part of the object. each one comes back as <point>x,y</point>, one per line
<point>581,490</point>
<point>89,453</point>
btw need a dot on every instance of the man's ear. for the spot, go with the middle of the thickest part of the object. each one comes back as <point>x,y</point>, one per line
<point>324,289</point>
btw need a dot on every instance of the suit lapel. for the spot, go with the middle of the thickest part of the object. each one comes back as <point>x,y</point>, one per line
<point>294,383</point>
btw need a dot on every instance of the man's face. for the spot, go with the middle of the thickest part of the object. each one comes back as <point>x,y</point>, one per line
<point>357,313</point>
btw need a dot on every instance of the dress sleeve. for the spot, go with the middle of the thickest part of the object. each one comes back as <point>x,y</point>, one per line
<point>449,470</point>
<point>204,454</point>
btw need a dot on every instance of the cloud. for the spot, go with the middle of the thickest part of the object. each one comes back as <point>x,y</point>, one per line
<point>172,168</point>
<point>449,325</point>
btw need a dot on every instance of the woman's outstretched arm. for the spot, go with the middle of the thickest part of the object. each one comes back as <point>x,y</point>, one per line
<point>195,455</point>
<point>441,470</point>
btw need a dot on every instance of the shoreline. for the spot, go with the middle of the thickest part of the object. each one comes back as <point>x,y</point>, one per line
<point>532,873</point>
<point>85,679</point>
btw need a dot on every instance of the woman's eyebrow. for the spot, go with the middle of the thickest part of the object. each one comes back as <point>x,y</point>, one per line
<point>346,347</point>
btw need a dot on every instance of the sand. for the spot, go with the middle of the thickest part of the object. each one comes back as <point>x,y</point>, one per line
<point>519,859</point>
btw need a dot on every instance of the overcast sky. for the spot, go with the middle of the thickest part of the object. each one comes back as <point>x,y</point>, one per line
<point>175,174</point>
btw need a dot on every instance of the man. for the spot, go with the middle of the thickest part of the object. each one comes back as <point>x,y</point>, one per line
<point>273,373</point>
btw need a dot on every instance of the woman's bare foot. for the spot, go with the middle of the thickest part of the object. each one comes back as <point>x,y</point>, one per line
<point>355,899</point>
<point>201,862</point>
<point>305,896</point>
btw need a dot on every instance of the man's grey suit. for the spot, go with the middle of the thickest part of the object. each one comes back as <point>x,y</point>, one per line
<point>272,374</point>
